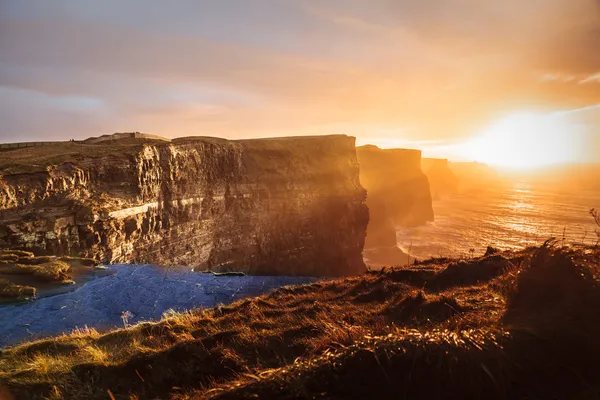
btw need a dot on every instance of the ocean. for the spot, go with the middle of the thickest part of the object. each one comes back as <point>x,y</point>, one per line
<point>507,215</point>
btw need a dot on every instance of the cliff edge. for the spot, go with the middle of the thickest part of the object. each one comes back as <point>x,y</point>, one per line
<point>281,206</point>
<point>442,179</point>
<point>398,192</point>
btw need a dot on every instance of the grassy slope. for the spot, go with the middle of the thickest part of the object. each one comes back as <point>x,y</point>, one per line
<point>511,325</point>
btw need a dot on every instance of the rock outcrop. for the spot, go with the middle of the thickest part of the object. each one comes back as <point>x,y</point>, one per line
<point>442,179</point>
<point>22,274</point>
<point>282,206</point>
<point>398,192</point>
<point>10,291</point>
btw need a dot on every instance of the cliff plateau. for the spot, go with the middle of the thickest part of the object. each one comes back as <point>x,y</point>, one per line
<point>282,206</point>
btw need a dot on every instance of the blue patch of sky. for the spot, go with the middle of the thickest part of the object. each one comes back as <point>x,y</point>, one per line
<point>70,103</point>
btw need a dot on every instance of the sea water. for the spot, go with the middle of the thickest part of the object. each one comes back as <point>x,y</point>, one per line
<point>128,295</point>
<point>514,214</point>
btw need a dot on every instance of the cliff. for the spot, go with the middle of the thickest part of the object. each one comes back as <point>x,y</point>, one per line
<point>398,192</point>
<point>442,179</point>
<point>288,206</point>
<point>476,176</point>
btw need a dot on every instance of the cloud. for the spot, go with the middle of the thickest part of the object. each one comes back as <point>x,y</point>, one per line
<point>430,69</point>
<point>595,78</point>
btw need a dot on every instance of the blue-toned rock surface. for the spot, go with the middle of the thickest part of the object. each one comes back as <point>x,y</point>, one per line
<point>146,291</point>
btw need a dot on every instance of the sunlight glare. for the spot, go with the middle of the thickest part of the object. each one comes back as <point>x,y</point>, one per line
<point>527,141</point>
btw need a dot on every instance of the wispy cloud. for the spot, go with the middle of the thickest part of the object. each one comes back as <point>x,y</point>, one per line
<point>426,70</point>
<point>591,79</point>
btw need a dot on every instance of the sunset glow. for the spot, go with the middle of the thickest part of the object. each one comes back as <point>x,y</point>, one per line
<point>335,199</point>
<point>406,73</point>
<point>527,141</point>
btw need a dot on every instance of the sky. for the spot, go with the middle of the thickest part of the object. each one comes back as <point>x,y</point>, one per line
<point>429,74</point>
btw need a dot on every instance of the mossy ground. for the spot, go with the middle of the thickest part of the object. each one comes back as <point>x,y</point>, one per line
<point>507,325</point>
<point>10,291</point>
<point>33,270</point>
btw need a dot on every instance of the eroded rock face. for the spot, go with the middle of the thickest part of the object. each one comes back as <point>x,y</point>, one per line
<point>398,192</point>
<point>289,206</point>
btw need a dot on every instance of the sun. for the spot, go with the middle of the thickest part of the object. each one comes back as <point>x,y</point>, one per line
<point>526,141</point>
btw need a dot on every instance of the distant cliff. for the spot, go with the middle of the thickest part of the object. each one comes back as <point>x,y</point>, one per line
<point>289,206</point>
<point>442,179</point>
<point>398,192</point>
<point>476,177</point>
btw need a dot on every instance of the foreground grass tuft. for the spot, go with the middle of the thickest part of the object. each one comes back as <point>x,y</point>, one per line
<point>506,325</point>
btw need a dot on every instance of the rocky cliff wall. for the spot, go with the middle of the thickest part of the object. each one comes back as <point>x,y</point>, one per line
<point>398,192</point>
<point>442,179</point>
<point>290,206</point>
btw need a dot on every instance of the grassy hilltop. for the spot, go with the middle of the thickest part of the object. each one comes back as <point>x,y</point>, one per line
<point>502,326</point>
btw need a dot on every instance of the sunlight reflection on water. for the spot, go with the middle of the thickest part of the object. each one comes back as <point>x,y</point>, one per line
<point>506,217</point>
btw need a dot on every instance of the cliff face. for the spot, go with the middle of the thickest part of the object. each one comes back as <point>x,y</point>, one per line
<point>289,206</point>
<point>441,177</point>
<point>398,192</point>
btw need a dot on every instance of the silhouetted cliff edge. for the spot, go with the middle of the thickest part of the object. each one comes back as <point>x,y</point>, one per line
<point>290,206</point>
<point>398,191</point>
<point>442,179</point>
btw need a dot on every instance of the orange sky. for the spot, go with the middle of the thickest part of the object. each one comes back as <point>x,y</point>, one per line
<point>428,74</point>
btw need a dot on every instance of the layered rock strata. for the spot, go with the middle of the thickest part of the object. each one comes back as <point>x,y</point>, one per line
<point>283,206</point>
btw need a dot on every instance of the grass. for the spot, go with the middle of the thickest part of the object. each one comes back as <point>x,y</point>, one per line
<point>10,291</point>
<point>262,151</point>
<point>21,271</point>
<point>507,325</point>
<point>52,270</point>
<point>38,159</point>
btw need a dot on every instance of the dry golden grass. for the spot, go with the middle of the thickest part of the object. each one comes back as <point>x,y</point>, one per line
<point>511,325</point>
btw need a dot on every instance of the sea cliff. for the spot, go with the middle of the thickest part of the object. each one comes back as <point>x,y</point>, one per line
<point>442,179</point>
<point>398,191</point>
<point>282,206</point>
